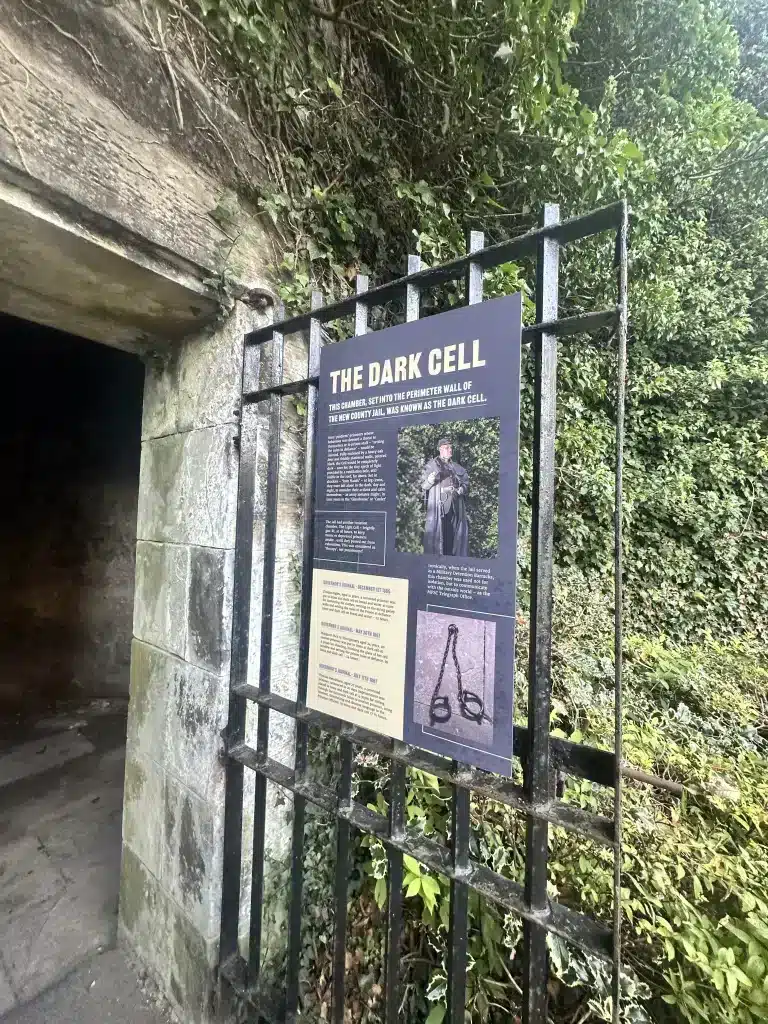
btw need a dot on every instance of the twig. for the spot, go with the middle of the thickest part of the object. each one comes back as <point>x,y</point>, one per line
<point>194,19</point>
<point>749,514</point>
<point>358,27</point>
<point>169,67</point>
<point>676,788</point>
<point>9,128</point>
<point>67,35</point>
<point>214,127</point>
<point>20,62</point>
<point>720,168</point>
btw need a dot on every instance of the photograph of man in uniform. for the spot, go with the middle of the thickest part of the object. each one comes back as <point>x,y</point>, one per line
<point>446,484</point>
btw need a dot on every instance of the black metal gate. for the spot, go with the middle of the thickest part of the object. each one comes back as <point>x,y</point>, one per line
<point>543,757</point>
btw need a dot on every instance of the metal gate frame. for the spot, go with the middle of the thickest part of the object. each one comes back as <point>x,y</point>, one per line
<point>543,757</point>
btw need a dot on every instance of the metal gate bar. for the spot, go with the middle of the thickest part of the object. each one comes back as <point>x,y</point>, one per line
<point>538,777</point>
<point>542,756</point>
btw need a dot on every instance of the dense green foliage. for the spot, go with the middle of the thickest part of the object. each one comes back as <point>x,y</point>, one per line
<point>390,117</point>
<point>476,448</point>
<point>396,124</point>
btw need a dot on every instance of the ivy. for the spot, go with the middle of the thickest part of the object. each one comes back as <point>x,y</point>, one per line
<point>391,126</point>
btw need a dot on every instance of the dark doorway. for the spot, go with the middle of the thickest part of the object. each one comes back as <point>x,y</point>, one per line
<point>70,449</point>
<point>70,443</point>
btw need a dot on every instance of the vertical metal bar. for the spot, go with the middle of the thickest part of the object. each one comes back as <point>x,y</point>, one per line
<point>265,655</point>
<point>397,793</point>
<point>458,925</point>
<point>540,659</point>
<point>361,308</point>
<point>345,794</point>
<point>302,730</point>
<point>394,895</point>
<point>341,887</point>
<point>238,673</point>
<point>621,254</point>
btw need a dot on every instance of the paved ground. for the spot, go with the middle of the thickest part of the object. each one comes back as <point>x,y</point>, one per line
<point>106,990</point>
<point>61,792</point>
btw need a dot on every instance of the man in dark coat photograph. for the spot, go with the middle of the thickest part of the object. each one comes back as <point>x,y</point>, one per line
<point>446,484</point>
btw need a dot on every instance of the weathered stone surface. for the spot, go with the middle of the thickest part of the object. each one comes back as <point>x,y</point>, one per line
<point>179,958</point>
<point>80,145</point>
<point>160,608</point>
<point>197,384</point>
<point>7,998</point>
<point>188,490</point>
<point>144,915</point>
<point>196,714</point>
<point>120,39</point>
<point>177,712</point>
<point>210,606</point>
<point>192,864</point>
<point>143,811</point>
<point>149,699</point>
<point>56,271</point>
<point>105,206</point>
<point>191,968</point>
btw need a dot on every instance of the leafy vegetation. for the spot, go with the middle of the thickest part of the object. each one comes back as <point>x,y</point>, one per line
<point>391,125</point>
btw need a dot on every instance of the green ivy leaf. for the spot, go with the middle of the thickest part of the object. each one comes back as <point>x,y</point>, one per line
<point>414,887</point>
<point>437,1014</point>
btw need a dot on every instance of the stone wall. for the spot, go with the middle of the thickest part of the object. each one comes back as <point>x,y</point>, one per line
<point>108,191</point>
<point>70,445</point>
<point>285,643</point>
<point>174,794</point>
<point>112,175</point>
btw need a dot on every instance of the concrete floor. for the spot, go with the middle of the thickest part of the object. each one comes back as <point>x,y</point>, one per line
<point>61,794</point>
<point>105,990</point>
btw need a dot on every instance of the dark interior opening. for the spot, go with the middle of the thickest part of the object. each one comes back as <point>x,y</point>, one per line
<point>71,431</point>
<point>70,448</point>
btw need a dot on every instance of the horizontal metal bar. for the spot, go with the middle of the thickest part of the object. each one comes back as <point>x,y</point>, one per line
<point>293,387</point>
<point>493,256</point>
<point>497,787</point>
<point>570,758</point>
<point>578,759</point>
<point>284,776</point>
<point>582,323</point>
<point>561,920</point>
<point>568,816</point>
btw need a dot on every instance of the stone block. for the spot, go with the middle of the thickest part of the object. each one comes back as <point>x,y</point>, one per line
<point>7,998</point>
<point>179,958</point>
<point>150,670</point>
<point>197,383</point>
<point>160,604</point>
<point>188,488</point>
<point>144,915</point>
<point>191,969</point>
<point>196,715</point>
<point>210,608</point>
<point>192,851</point>
<point>143,804</point>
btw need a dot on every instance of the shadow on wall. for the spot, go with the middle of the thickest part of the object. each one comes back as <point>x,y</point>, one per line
<point>70,449</point>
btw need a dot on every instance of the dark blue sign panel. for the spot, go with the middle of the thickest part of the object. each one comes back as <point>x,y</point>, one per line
<point>413,595</point>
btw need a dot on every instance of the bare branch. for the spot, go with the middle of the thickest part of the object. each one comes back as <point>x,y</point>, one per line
<point>14,138</point>
<point>67,35</point>
<point>171,73</point>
